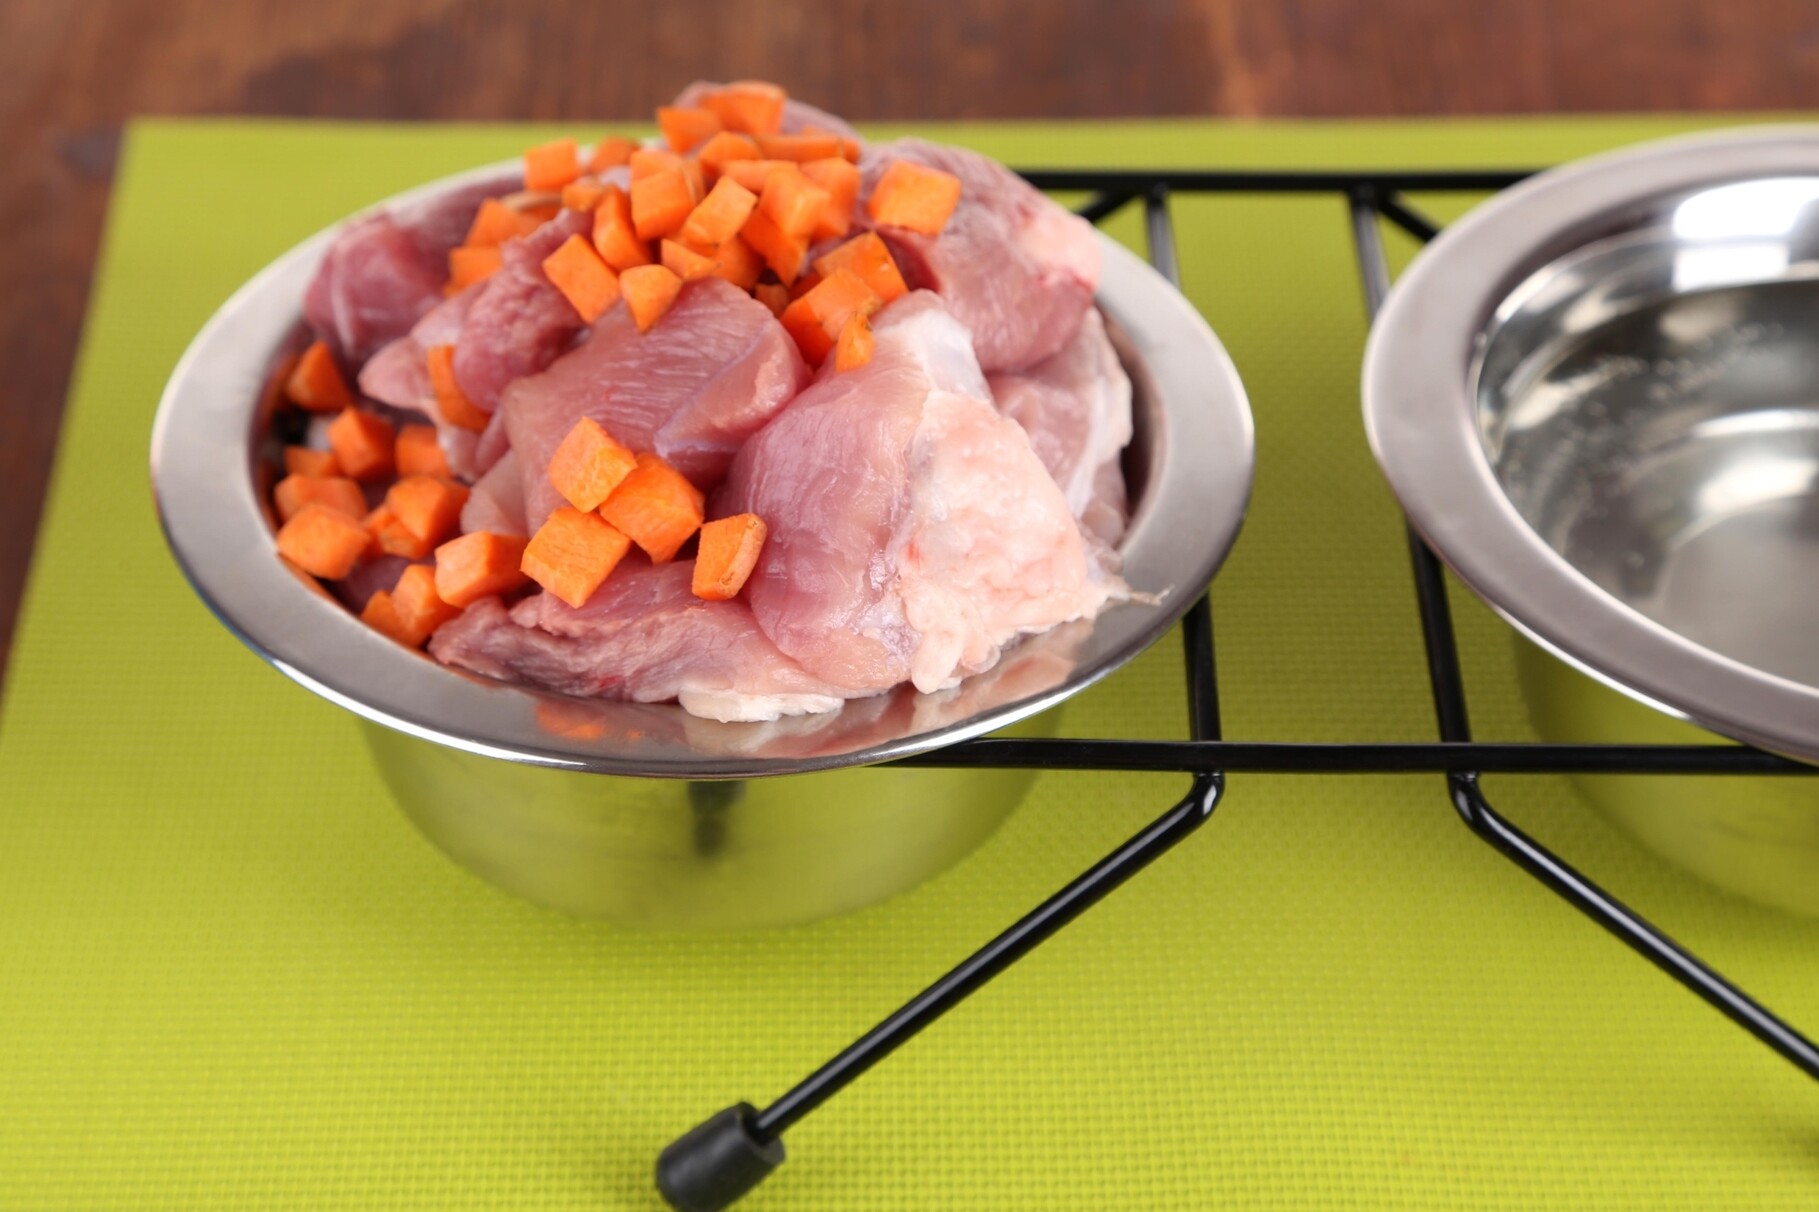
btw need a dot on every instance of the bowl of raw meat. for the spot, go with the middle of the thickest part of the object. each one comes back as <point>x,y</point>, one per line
<point>641,499</point>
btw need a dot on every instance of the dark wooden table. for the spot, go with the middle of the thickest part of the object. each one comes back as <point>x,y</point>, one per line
<point>71,71</point>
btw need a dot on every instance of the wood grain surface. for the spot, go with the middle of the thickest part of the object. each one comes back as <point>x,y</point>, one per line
<point>72,71</point>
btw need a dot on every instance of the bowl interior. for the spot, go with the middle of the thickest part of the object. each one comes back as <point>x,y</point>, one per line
<point>1649,403</point>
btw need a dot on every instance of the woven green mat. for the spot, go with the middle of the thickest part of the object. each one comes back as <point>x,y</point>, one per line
<point>232,976</point>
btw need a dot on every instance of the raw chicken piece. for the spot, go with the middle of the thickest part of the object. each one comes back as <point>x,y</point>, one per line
<point>1076,409</point>
<point>797,115</point>
<point>1015,268</point>
<point>383,272</point>
<point>913,532</point>
<point>644,636</point>
<point>398,375</point>
<point>519,323</point>
<point>497,501</point>
<point>713,370</point>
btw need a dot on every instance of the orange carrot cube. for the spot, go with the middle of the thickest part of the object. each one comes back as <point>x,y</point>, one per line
<point>323,542</point>
<point>611,152</point>
<point>914,196</point>
<point>390,536</point>
<point>589,464</point>
<point>315,383</point>
<point>755,174</point>
<point>293,494</point>
<point>451,401</point>
<point>686,263</point>
<point>853,348</point>
<point>656,507</point>
<point>419,452</point>
<point>661,204</point>
<point>815,320</point>
<point>727,553</point>
<point>749,106</point>
<point>419,607</point>
<point>719,216</point>
<point>364,444</point>
<point>649,161</point>
<point>582,194</point>
<point>615,237</point>
<point>794,203</point>
<point>551,165</point>
<point>302,461</point>
<point>867,256</point>
<point>799,148</point>
<point>478,565</point>
<point>684,129</point>
<point>381,614</point>
<point>782,252</point>
<point>468,265</point>
<point>572,553</point>
<point>427,506</point>
<point>495,223</point>
<point>723,149</point>
<point>578,272</point>
<point>649,290</point>
<point>773,295</point>
<point>841,181</point>
<point>736,261</point>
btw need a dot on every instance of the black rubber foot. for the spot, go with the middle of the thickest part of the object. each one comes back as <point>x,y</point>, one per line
<point>712,1166</point>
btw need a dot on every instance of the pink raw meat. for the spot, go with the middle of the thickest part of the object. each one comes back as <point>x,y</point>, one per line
<point>644,636</point>
<point>497,501</point>
<point>519,323</point>
<point>1076,409</point>
<point>1015,268</point>
<point>712,371</point>
<point>913,532</point>
<point>797,115</point>
<point>383,272</point>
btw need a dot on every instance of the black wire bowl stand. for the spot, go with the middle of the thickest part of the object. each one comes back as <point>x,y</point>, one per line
<point>716,1163</point>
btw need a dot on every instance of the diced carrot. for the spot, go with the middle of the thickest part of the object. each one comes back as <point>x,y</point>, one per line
<point>853,348</point>
<point>611,152</point>
<point>293,494</point>
<point>478,565</point>
<point>815,320</point>
<point>661,204</point>
<point>868,256</point>
<point>801,286</point>
<point>686,263</point>
<point>849,148</point>
<point>364,444</point>
<point>649,290</point>
<point>695,177</point>
<point>381,614</point>
<point>727,554</point>
<point>572,553</point>
<point>495,223</point>
<point>589,464</point>
<point>315,383</point>
<point>914,196</point>
<point>427,506</point>
<point>800,148</point>
<point>323,542</point>
<point>753,174</point>
<point>773,295</point>
<point>420,608</point>
<point>794,203</point>
<point>685,129</point>
<point>735,261</point>
<point>841,181</point>
<point>721,214</point>
<point>614,236</point>
<point>750,106</point>
<point>582,194</point>
<point>451,401</point>
<point>552,165</point>
<point>390,536</point>
<point>540,213</point>
<point>649,161</point>
<point>583,278</point>
<point>783,253</point>
<point>302,461</point>
<point>656,507</point>
<point>468,265</point>
<point>723,149</point>
<point>419,453</point>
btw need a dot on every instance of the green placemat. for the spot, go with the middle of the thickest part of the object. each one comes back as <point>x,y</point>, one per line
<point>232,976</point>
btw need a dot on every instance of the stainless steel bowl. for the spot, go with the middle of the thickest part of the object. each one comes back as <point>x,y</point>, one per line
<point>645,814</point>
<point>1597,397</point>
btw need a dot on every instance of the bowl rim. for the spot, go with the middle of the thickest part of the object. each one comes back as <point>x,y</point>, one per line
<point>1419,412</point>
<point>219,531</point>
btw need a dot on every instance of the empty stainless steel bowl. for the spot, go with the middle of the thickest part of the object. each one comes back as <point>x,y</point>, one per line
<point>644,814</point>
<point>1597,397</point>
